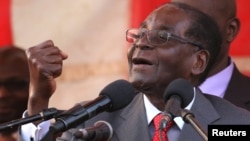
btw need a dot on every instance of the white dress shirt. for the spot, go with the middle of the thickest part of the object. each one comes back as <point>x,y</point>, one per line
<point>30,130</point>
<point>152,111</point>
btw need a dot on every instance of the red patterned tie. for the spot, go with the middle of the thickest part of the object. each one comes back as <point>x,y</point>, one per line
<point>158,132</point>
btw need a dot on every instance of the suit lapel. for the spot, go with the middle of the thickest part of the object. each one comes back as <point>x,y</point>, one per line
<point>133,116</point>
<point>205,114</point>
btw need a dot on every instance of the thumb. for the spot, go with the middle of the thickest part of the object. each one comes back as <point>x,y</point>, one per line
<point>64,55</point>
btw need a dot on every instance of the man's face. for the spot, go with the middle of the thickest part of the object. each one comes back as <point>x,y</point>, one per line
<point>152,68</point>
<point>14,90</point>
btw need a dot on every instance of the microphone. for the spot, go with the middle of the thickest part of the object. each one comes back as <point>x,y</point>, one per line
<point>46,114</point>
<point>113,97</point>
<point>101,131</point>
<point>189,117</point>
<point>177,96</point>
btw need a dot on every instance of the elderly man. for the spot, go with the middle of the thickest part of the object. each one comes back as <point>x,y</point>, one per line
<point>174,41</point>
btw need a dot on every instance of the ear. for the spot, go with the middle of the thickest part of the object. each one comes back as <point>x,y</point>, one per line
<point>232,29</point>
<point>201,62</point>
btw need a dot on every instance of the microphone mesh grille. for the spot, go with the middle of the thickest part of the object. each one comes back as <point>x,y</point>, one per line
<point>181,87</point>
<point>121,93</point>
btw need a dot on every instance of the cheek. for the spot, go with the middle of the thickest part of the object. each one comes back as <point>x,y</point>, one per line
<point>168,57</point>
<point>168,63</point>
<point>130,52</point>
<point>174,62</point>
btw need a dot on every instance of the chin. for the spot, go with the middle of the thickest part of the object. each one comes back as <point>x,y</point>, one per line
<point>139,84</point>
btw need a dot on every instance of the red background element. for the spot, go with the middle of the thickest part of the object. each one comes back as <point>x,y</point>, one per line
<point>5,23</point>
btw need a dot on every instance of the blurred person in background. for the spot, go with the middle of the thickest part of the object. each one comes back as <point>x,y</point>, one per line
<point>224,79</point>
<point>14,87</point>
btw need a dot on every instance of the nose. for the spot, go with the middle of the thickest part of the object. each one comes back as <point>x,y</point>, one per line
<point>143,43</point>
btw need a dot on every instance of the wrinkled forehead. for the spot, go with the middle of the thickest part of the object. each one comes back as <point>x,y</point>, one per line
<point>168,17</point>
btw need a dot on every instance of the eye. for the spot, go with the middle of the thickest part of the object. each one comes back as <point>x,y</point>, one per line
<point>136,36</point>
<point>163,35</point>
<point>159,36</point>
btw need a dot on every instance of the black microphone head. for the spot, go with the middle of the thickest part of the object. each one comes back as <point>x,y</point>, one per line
<point>182,88</point>
<point>120,92</point>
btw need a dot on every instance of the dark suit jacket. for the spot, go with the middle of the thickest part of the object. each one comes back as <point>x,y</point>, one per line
<point>130,123</point>
<point>238,90</point>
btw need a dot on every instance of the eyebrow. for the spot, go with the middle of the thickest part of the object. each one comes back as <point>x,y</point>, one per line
<point>162,27</point>
<point>166,27</point>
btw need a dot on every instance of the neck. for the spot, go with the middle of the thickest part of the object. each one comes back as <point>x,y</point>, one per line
<point>158,102</point>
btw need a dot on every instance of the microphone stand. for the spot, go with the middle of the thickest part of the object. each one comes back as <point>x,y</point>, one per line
<point>44,115</point>
<point>189,117</point>
<point>101,131</point>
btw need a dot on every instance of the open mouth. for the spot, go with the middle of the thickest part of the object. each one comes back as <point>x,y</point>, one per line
<point>141,61</point>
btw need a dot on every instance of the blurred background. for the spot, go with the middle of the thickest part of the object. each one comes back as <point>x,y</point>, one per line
<point>92,32</point>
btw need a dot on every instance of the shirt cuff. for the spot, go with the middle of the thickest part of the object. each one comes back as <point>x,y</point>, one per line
<point>30,130</point>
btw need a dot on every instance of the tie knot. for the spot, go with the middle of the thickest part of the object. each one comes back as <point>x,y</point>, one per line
<point>162,123</point>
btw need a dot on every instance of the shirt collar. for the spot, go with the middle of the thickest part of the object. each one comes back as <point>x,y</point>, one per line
<point>217,84</point>
<point>152,111</point>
